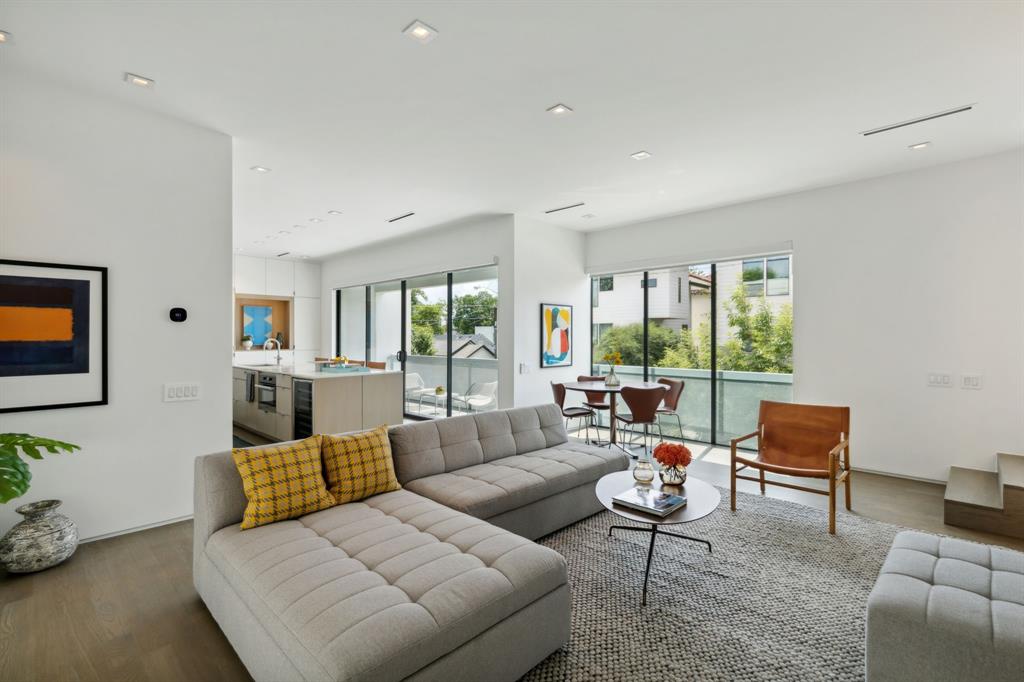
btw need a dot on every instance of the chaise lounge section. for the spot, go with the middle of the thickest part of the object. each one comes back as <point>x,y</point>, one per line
<point>400,586</point>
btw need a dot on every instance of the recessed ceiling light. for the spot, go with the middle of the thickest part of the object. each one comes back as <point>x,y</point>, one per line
<point>260,169</point>
<point>271,237</point>
<point>303,257</point>
<point>641,155</point>
<point>588,216</point>
<point>299,227</point>
<point>5,37</point>
<point>283,232</point>
<point>258,242</point>
<point>316,220</point>
<point>559,110</point>
<point>138,80</point>
<point>919,145</point>
<point>419,31</point>
<point>334,213</point>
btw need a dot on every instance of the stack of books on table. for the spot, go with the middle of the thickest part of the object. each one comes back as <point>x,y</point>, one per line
<point>650,501</point>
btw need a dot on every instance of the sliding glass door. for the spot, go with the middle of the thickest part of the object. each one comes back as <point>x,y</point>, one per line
<point>426,365</point>
<point>725,329</point>
<point>439,329</point>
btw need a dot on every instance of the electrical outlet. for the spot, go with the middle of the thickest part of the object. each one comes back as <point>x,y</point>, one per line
<point>970,381</point>
<point>175,393</point>
<point>940,380</point>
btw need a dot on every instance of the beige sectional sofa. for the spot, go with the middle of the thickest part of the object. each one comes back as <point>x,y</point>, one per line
<point>423,583</point>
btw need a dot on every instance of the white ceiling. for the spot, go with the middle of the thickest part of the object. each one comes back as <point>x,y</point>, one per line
<point>734,100</point>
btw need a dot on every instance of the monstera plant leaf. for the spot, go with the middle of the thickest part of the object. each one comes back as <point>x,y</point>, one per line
<point>14,474</point>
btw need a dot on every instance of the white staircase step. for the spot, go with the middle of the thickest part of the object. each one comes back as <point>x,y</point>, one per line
<point>1011,469</point>
<point>974,487</point>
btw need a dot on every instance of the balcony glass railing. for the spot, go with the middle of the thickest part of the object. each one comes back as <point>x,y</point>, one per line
<point>474,383</point>
<point>738,400</point>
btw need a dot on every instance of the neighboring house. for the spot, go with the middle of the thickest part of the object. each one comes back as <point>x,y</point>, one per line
<point>679,297</point>
<point>476,346</point>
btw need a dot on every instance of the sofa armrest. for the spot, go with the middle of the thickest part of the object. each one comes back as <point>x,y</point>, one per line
<point>218,497</point>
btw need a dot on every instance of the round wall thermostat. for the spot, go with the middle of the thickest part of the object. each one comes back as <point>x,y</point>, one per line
<point>178,314</point>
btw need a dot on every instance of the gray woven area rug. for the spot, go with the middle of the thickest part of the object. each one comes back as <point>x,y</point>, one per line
<point>778,599</point>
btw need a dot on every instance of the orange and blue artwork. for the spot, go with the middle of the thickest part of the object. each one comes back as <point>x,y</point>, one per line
<point>556,335</point>
<point>44,326</point>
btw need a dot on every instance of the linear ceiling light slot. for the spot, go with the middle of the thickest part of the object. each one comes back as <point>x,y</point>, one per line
<point>564,208</point>
<point>283,253</point>
<point>922,119</point>
<point>401,217</point>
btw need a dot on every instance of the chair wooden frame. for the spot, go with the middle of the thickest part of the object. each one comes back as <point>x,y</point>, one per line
<point>837,469</point>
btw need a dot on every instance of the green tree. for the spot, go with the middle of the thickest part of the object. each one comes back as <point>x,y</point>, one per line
<point>762,340</point>
<point>474,310</point>
<point>422,340</point>
<point>628,339</point>
<point>430,315</point>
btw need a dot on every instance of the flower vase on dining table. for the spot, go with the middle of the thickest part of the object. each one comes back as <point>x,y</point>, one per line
<point>612,379</point>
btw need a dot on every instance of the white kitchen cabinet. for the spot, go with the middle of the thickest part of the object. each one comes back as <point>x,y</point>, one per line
<point>280,277</point>
<point>284,401</point>
<point>250,275</point>
<point>284,427</point>
<point>307,279</point>
<point>306,323</point>
<point>238,389</point>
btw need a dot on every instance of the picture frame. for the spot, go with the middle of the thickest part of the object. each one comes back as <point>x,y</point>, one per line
<point>53,336</point>
<point>556,335</point>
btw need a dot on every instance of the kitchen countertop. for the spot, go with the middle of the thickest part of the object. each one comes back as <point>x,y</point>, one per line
<point>308,371</point>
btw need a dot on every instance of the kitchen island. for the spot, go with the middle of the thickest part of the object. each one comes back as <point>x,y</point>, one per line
<point>283,403</point>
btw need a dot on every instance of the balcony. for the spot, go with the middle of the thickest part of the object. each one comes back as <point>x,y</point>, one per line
<point>467,374</point>
<point>739,397</point>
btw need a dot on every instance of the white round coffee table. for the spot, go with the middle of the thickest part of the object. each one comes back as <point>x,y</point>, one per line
<point>701,499</point>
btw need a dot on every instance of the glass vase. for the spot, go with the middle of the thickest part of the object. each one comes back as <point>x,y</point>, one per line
<point>643,472</point>
<point>612,379</point>
<point>672,475</point>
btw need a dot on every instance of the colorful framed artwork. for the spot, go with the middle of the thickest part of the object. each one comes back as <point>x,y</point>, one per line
<point>257,322</point>
<point>555,335</point>
<point>53,336</point>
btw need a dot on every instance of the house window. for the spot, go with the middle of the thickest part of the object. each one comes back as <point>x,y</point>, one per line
<point>651,283</point>
<point>753,277</point>
<point>606,284</point>
<point>777,276</point>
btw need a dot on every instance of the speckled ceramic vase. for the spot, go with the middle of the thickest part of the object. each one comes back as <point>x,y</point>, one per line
<point>44,539</point>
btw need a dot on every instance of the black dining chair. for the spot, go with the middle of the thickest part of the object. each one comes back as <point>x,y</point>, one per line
<point>599,402</point>
<point>583,413</point>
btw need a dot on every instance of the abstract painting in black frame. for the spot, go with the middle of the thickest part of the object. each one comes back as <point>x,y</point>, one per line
<point>52,336</point>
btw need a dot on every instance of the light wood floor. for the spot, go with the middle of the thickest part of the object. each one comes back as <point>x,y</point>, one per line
<point>125,609</point>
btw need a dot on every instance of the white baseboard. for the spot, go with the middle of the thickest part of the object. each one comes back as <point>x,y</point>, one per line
<point>134,530</point>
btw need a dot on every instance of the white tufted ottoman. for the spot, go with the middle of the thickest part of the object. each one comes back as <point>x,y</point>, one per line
<point>945,609</point>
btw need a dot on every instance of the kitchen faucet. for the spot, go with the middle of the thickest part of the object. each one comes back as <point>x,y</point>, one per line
<point>275,341</point>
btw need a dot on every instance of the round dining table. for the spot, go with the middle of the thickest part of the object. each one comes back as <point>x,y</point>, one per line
<point>612,391</point>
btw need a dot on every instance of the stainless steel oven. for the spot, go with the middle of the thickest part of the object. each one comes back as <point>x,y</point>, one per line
<point>266,389</point>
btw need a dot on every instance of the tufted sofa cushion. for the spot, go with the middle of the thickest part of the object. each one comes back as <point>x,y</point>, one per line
<point>492,488</point>
<point>378,589</point>
<point>948,608</point>
<point>437,447</point>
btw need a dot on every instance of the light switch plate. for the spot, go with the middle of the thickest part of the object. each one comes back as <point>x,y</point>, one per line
<point>970,381</point>
<point>940,380</point>
<point>180,392</point>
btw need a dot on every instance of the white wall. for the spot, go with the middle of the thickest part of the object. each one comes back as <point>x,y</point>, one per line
<point>466,244</point>
<point>548,269</point>
<point>94,181</point>
<point>897,276</point>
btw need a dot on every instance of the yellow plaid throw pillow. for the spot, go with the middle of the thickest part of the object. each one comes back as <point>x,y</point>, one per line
<point>282,482</point>
<point>359,465</point>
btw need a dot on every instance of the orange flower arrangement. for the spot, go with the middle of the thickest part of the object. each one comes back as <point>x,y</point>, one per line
<point>673,454</point>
